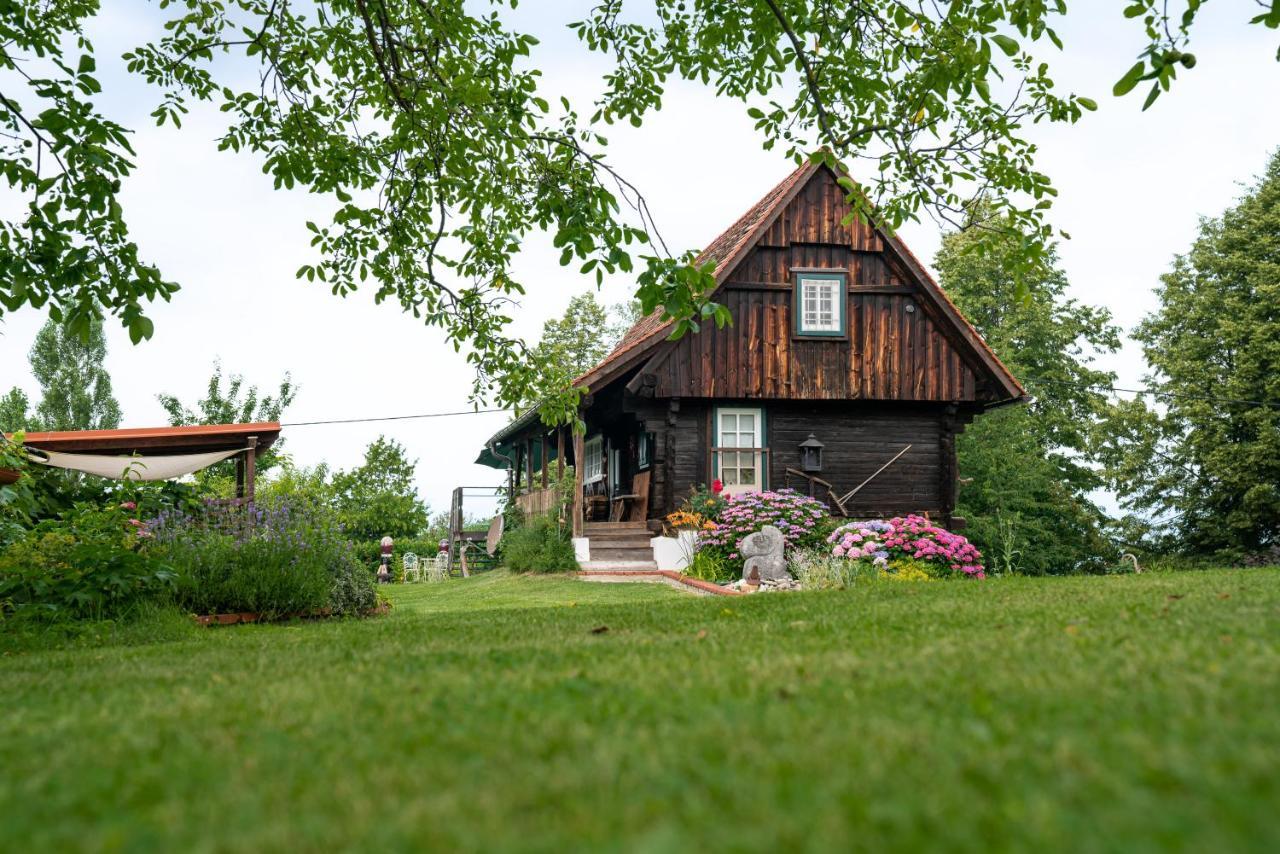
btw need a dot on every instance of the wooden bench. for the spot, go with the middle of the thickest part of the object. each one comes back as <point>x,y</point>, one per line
<point>634,506</point>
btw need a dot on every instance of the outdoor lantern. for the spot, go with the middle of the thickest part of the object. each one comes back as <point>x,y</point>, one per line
<point>811,454</point>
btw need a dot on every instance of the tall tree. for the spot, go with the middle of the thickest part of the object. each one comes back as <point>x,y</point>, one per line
<point>433,129</point>
<point>1032,466</point>
<point>75,386</point>
<point>235,403</point>
<point>1204,461</point>
<point>379,497</point>
<point>15,411</point>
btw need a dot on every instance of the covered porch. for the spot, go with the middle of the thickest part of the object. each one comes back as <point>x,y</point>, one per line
<point>158,453</point>
<point>611,485</point>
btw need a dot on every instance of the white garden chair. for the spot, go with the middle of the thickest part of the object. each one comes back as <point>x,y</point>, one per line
<point>439,568</point>
<point>412,568</point>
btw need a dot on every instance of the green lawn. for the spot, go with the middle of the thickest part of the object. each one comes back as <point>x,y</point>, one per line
<point>1121,713</point>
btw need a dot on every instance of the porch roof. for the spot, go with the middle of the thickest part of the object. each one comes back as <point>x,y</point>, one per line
<point>194,439</point>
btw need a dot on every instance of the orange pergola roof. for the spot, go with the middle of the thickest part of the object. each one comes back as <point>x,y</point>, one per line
<point>195,439</point>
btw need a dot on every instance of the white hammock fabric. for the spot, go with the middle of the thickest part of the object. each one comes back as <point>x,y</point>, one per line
<point>138,467</point>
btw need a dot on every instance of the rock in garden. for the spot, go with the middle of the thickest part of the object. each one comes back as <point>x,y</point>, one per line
<point>763,551</point>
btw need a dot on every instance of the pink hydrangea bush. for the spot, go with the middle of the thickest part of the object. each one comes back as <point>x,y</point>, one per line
<point>862,541</point>
<point>799,518</point>
<point>912,538</point>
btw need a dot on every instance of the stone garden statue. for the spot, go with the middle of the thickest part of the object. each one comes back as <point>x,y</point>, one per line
<point>763,552</point>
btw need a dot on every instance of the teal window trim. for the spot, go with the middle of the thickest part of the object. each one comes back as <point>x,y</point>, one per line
<point>797,308</point>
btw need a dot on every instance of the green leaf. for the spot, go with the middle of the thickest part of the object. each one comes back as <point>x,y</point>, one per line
<point>1088,103</point>
<point>1130,79</point>
<point>1006,44</point>
<point>1151,98</point>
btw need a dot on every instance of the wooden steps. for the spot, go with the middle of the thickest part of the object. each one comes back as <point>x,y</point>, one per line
<point>619,547</point>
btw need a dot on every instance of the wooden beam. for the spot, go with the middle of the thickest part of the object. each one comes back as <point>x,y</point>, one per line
<point>250,468</point>
<point>577,483</point>
<point>543,441</point>
<point>559,454</point>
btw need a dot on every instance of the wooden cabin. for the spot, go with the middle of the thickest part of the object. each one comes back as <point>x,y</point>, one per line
<point>840,338</point>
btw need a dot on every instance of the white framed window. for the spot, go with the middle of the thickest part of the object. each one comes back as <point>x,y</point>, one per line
<point>642,452</point>
<point>740,460</point>
<point>820,304</point>
<point>593,459</point>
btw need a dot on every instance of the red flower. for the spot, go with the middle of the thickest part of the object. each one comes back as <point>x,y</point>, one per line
<point>717,487</point>
<point>128,505</point>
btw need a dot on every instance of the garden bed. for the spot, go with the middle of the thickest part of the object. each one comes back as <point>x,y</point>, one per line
<point>250,617</point>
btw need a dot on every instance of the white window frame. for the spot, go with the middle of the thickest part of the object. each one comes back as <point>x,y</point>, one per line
<point>811,291</point>
<point>593,459</point>
<point>642,452</point>
<point>756,459</point>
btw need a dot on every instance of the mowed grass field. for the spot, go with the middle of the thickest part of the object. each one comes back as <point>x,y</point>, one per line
<point>1126,713</point>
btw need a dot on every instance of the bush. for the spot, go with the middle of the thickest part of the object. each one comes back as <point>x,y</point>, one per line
<point>541,544</point>
<point>798,517</point>
<point>86,563</point>
<point>280,559</point>
<point>708,565</point>
<point>907,545</point>
<point>818,569</point>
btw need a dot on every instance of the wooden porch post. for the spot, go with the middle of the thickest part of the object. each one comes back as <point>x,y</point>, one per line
<point>528,466</point>
<point>240,458</point>
<point>543,441</point>
<point>559,454</point>
<point>250,468</point>
<point>577,483</point>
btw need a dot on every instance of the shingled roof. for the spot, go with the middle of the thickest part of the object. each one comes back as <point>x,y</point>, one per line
<point>724,251</point>
<point>730,247</point>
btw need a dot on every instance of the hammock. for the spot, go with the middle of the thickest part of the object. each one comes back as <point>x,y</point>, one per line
<point>137,467</point>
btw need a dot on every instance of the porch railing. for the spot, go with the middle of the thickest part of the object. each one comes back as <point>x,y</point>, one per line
<point>535,502</point>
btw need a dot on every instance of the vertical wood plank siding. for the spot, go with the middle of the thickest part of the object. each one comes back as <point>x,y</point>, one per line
<point>896,349</point>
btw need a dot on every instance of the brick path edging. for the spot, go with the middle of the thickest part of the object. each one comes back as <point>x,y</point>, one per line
<point>697,583</point>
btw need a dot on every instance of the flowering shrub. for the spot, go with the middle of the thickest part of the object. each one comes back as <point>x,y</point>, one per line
<point>907,542</point>
<point>276,559</point>
<point>85,563</point>
<point>686,520</point>
<point>797,516</point>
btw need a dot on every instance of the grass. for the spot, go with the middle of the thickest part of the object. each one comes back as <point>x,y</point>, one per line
<point>1122,713</point>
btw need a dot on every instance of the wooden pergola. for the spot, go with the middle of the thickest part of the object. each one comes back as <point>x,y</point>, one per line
<point>197,439</point>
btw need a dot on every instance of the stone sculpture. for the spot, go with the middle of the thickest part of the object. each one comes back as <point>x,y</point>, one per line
<point>763,551</point>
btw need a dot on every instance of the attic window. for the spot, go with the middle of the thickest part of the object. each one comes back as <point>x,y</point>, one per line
<point>820,304</point>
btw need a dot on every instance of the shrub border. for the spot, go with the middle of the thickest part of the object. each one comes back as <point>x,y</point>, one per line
<point>251,617</point>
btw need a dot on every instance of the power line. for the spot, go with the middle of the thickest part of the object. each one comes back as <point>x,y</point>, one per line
<point>390,417</point>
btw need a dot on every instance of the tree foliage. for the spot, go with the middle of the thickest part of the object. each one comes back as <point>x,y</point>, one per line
<point>576,341</point>
<point>233,404</point>
<point>379,498</point>
<point>1032,466</point>
<point>76,391</point>
<point>430,128</point>
<point>1204,461</point>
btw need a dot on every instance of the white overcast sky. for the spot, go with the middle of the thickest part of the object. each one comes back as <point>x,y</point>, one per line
<point>1132,188</point>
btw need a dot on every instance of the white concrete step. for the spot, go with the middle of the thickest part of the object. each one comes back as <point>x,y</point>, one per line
<point>619,565</point>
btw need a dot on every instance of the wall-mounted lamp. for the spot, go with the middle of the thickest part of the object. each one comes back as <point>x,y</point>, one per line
<point>811,454</point>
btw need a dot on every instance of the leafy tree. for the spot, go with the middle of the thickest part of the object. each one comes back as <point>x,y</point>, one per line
<point>1205,461</point>
<point>15,411</point>
<point>379,498</point>
<point>234,404</point>
<point>75,386</point>
<point>1032,466</point>
<point>431,127</point>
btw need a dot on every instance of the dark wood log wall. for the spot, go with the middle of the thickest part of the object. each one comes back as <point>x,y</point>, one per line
<point>898,348</point>
<point>857,443</point>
